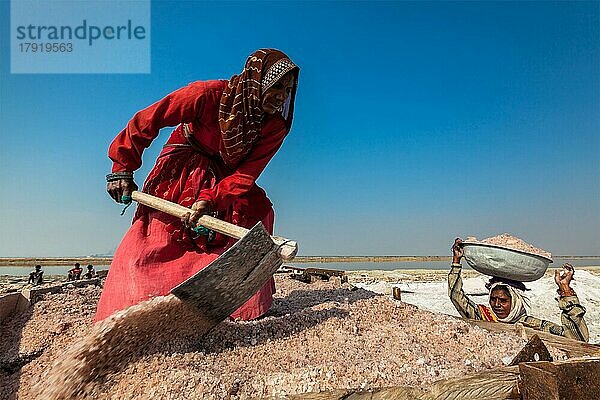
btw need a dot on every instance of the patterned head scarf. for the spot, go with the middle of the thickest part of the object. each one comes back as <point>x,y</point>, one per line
<point>519,302</point>
<point>240,111</point>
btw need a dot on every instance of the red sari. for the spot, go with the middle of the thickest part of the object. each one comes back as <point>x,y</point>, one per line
<point>156,253</point>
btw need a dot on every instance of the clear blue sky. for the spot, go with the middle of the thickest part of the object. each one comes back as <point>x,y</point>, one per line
<point>414,123</point>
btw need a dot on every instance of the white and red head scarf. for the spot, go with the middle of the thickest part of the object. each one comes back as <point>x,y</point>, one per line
<point>519,302</point>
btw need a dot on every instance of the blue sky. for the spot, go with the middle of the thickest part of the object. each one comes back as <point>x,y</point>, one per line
<point>415,122</point>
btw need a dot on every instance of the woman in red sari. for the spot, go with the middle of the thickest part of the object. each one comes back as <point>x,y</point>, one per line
<point>228,131</point>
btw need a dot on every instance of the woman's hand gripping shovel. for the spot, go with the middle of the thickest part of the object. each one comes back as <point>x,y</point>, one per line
<point>228,282</point>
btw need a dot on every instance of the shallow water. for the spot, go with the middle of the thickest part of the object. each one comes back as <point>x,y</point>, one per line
<point>431,265</point>
<point>346,266</point>
<point>48,270</point>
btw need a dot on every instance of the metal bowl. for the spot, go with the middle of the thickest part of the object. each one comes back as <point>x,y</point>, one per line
<point>506,263</point>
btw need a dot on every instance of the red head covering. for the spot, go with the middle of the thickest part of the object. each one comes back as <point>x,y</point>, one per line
<point>240,111</point>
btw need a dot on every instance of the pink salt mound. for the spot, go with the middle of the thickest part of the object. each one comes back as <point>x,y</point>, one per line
<point>511,242</point>
<point>317,337</point>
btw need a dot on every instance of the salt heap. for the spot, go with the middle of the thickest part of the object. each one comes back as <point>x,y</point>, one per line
<point>316,337</point>
<point>511,242</point>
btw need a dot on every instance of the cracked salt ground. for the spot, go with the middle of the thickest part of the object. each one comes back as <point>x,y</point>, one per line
<point>317,337</point>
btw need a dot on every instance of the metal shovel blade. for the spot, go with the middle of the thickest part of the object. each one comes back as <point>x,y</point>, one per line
<point>228,282</point>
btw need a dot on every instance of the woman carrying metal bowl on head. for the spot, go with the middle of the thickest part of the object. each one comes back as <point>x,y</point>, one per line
<point>508,302</point>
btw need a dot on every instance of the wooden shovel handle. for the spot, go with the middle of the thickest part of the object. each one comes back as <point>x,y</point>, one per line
<point>287,248</point>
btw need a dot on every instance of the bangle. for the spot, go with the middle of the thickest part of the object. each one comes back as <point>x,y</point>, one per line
<point>115,176</point>
<point>566,293</point>
<point>456,265</point>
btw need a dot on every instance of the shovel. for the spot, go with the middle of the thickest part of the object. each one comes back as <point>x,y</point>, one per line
<point>228,282</point>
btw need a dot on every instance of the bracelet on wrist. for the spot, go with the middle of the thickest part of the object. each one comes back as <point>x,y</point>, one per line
<point>456,264</point>
<point>566,292</point>
<point>115,176</point>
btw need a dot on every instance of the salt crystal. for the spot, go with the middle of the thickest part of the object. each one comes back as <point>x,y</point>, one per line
<point>322,355</point>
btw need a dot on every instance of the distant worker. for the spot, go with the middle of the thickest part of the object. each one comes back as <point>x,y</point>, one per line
<point>75,273</point>
<point>36,276</point>
<point>507,301</point>
<point>91,273</point>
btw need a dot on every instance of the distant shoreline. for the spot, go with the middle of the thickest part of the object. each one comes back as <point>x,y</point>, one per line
<point>46,261</point>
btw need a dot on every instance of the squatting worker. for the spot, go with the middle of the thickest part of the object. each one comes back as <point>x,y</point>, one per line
<point>91,272</point>
<point>36,277</point>
<point>508,301</point>
<point>227,132</point>
<point>74,273</point>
